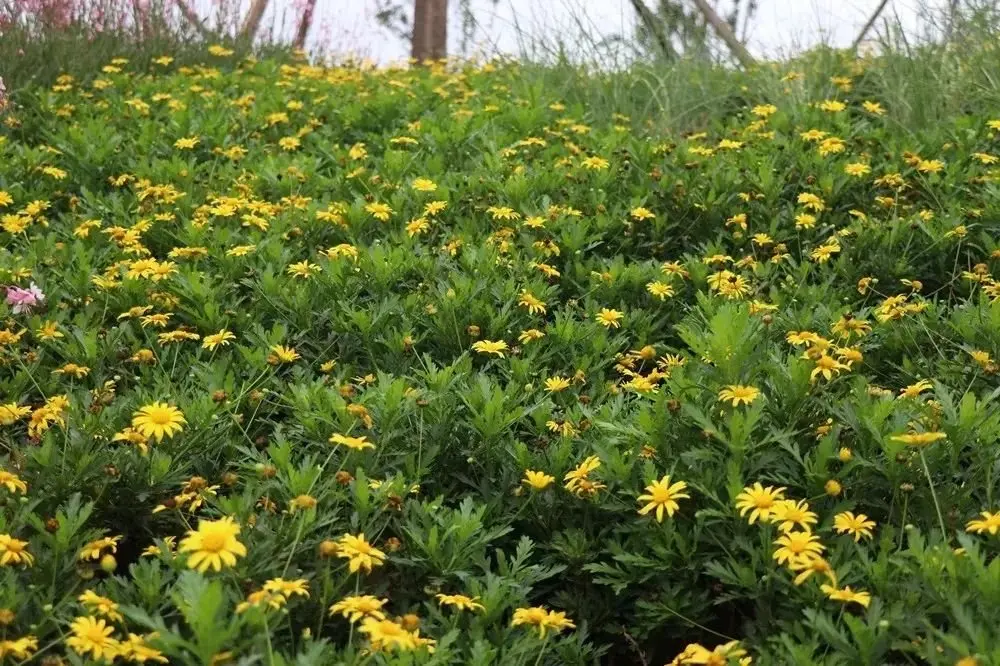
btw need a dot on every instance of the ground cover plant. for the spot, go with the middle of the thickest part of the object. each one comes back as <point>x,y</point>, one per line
<point>444,365</point>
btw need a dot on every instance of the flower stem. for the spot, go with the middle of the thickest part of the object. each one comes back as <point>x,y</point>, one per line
<point>545,644</point>
<point>937,507</point>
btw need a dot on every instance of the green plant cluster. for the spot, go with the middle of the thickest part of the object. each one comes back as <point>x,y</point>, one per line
<point>440,365</point>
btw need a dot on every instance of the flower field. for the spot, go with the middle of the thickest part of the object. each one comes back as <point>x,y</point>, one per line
<point>305,365</point>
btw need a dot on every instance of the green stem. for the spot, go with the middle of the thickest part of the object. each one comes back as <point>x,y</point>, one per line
<point>937,507</point>
<point>545,644</point>
<point>902,522</point>
<point>267,637</point>
<point>298,535</point>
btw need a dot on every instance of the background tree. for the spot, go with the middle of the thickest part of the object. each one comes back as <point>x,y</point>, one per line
<point>429,39</point>
<point>694,28</point>
<point>427,31</point>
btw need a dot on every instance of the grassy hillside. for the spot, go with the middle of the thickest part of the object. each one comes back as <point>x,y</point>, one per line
<point>501,364</point>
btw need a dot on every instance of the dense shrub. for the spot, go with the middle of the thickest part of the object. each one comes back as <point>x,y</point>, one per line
<point>444,365</point>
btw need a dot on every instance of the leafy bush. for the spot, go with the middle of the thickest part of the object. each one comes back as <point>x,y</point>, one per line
<point>330,365</point>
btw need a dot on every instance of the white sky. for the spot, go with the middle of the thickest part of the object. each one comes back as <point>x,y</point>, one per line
<point>779,26</point>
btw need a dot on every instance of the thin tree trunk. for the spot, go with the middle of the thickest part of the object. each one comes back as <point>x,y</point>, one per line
<point>430,30</point>
<point>725,33</point>
<point>305,22</point>
<point>868,26</point>
<point>191,17</point>
<point>252,21</point>
<point>653,25</point>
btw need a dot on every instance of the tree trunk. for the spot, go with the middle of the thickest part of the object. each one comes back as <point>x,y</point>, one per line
<point>430,30</point>
<point>305,22</point>
<point>725,33</point>
<point>653,25</point>
<point>252,21</point>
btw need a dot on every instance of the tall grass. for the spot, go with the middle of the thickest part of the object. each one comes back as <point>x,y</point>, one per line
<point>945,72</point>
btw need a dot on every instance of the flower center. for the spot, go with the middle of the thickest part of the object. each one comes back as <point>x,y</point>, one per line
<point>159,417</point>
<point>213,542</point>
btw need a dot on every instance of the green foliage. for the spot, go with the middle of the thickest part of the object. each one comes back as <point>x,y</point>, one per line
<point>474,315</point>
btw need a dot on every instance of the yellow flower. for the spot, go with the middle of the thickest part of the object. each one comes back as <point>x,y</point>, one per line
<point>640,213</point>
<point>795,545</point>
<point>12,482</point>
<point>809,564</point>
<point>303,270</point>
<point>857,525</point>
<point>721,655</point>
<point>660,290</point>
<point>581,472</point>
<point>930,166</point>
<point>157,420</point>
<point>495,347</point>
<point>609,318</point>
<point>360,553</point>
<point>94,549</point>
<point>288,588</point>
<point>14,551</point>
<point>990,522</point>
<point>423,185</point>
<point>19,648</point>
<point>282,354</point>
<point>914,390</point>
<point>460,601</point>
<point>134,649</point>
<point>223,337</point>
<point>790,514</point>
<point>542,619</point>
<point>432,208</point>
<point>10,412</point>
<point>737,393</point>
<point>537,480</point>
<point>356,443</point>
<point>530,335</point>
<point>662,496</point>
<point>828,367</point>
<point>379,211</point>
<point>387,636</point>
<point>357,607</point>
<point>594,163</point>
<point>759,501</point>
<point>303,502</point>
<point>857,169</point>
<point>919,438</point>
<point>531,302</point>
<point>847,595</point>
<point>91,635</point>
<point>213,545</point>
<point>873,107</point>
<point>100,605</point>
<point>556,384</point>
<point>186,143</point>
<point>49,331</point>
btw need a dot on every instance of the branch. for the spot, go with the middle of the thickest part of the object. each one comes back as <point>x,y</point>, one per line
<point>653,25</point>
<point>252,21</point>
<point>725,33</point>
<point>191,17</point>
<point>868,26</point>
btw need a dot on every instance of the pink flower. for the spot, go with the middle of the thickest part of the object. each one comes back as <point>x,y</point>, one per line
<point>23,300</point>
